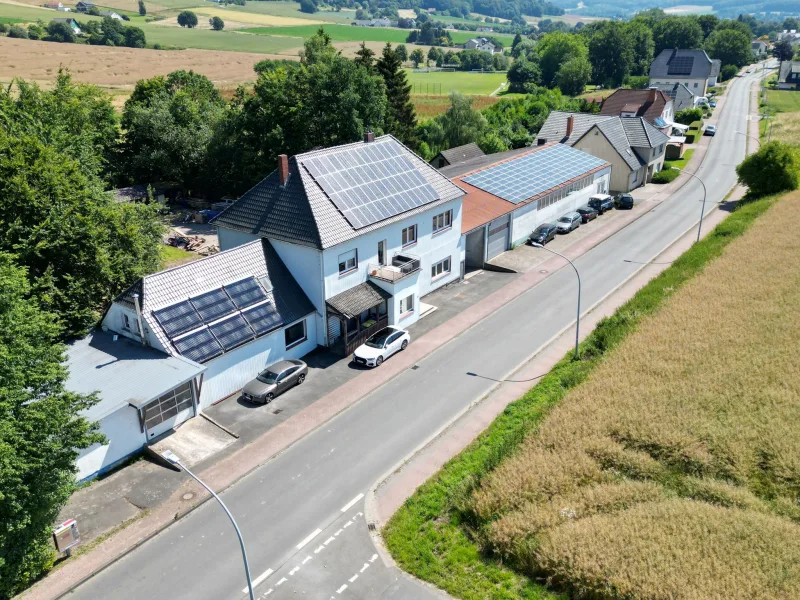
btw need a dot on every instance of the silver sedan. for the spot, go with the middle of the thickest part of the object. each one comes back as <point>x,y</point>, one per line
<point>274,380</point>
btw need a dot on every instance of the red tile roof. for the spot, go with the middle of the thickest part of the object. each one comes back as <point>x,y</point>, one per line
<point>623,100</point>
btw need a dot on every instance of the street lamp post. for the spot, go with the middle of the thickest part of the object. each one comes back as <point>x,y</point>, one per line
<point>703,207</point>
<point>578,320</point>
<point>173,458</point>
<point>752,137</point>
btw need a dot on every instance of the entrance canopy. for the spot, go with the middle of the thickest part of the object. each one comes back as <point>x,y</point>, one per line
<point>356,300</point>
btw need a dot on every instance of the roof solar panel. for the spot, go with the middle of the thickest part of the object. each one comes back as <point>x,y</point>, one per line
<point>199,346</point>
<point>213,305</point>
<point>232,332</point>
<point>263,318</point>
<point>680,65</point>
<point>372,182</point>
<point>245,292</point>
<point>529,175</point>
<point>178,318</point>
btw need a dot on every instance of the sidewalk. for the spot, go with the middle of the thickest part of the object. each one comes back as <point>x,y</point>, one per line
<point>162,496</point>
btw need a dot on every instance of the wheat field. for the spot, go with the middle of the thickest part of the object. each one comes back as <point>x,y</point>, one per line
<point>673,472</point>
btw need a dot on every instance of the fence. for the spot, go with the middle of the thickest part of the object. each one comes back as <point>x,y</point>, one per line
<point>426,88</point>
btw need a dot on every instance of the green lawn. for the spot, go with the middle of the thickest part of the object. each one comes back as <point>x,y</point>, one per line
<point>783,100</point>
<point>172,256</point>
<point>206,39</point>
<point>291,9</point>
<point>464,82</point>
<point>11,20</point>
<point>680,162</point>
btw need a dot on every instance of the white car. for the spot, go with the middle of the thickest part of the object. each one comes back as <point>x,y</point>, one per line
<point>381,346</point>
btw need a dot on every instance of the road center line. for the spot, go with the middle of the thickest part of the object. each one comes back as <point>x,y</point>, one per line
<point>353,578</point>
<point>306,559</point>
<point>341,589</point>
<point>282,581</point>
<point>346,525</point>
<point>350,504</point>
<point>309,538</point>
<point>329,540</point>
<point>320,549</point>
<point>374,556</point>
<point>293,571</point>
<point>259,579</point>
<point>268,592</point>
<point>338,532</point>
<point>364,568</point>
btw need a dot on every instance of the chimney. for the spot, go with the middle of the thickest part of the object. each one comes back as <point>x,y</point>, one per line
<point>651,95</point>
<point>570,125</point>
<point>369,137</point>
<point>283,169</point>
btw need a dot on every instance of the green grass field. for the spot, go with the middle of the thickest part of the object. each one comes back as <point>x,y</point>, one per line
<point>10,20</point>
<point>783,100</point>
<point>205,39</point>
<point>290,9</point>
<point>439,83</point>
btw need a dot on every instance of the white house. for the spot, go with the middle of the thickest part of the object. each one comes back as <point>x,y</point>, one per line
<point>366,229</point>
<point>511,193</point>
<point>692,68</point>
<point>179,340</point>
<point>111,14</point>
<point>480,44</point>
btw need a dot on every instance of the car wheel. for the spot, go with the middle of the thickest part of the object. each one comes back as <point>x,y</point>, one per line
<point>379,361</point>
<point>404,345</point>
<point>269,398</point>
<point>301,379</point>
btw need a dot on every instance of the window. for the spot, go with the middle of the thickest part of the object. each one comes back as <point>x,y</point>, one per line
<point>440,268</point>
<point>696,84</point>
<point>295,334</point>
<point>348,262</point>
<point>410,235</point>
<point>442,221</point>
<point>407,305</point>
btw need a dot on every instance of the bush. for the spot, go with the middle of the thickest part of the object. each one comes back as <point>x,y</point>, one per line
<point>216,23</point>
<point>774,168</point>
<point>696,125</point>
<point>688,115</point>
<point>727,72</point>
<point>17,32</point>
<point>691,136</point>
<point>638,82</point>
<point>36,31</point>
<point>3,28</point>
<point>665,176</point>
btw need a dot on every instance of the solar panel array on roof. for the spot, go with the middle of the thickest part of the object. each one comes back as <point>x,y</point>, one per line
<point>263,318</point>
<point>372,182</point>
<point>232,332</point>
<point>525,177</point>
<point>198,346</point>
<point>178,318</point>
<point>680,65</point>
<point>213,305</point>
<point>245,292</point>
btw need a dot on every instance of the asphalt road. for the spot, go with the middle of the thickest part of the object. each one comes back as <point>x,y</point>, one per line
<point>301,513</point>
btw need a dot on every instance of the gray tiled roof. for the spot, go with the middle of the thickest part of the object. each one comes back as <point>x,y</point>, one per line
<point>615,133</point>
<point>701,65</point>
<point>788,68</point>
<point>555,127</point>
<point>716,65</point>
<point>462,153</point>
<point>256,259</point>
<point>642,134</point>
<point>303,213</point>
<point>682,97</point>
<point>356,300</point>
<point>122,372</point>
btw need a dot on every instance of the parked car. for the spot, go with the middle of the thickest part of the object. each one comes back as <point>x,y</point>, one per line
<point>623,201</point>
<point>587,213</point>
<point>713,104</point>
<point>710,130</point>
<point>601,203</point>
<point>543,234</point>
<point>568,222</point>
<point>274,380</point>
<point>381,346</point>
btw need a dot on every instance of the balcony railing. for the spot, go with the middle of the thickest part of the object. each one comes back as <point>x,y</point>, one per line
<point>403,265</point>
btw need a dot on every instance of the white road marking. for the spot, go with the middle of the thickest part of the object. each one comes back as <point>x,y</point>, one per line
<point>338,532</point>
<point>364,568</point>
<point>282,581</point>
<point>309,538</point>
<point>268,592</point>
<point>374,556</point>
<point>259,579</point>
<point>341,589</point>
<point>346,525</point>
<point>308,558</point>
<point>318,550</point>
<point>293,571</point>
<point>353,578</point>
<point>350,504</point>
<point>329,540</point>
<point>360,514</point>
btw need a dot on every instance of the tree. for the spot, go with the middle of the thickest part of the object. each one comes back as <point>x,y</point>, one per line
<point>417,57</point>
<point>517,40</point>
<point>774,168</point>
<point>142,9</point>
<point>687,116</point>
<point>736,25</point>
<point>782,50</point>
<point>317,48</point>
<point>308,6</point>
<point>111,32</point>
<point>60,32</point>
<point>15,31</point>
<point>401,117</point>
<point>402,52</point>
<point>460,124</point>
<point>188,19</point>
<point>556,49</point>
<point>365,57</point>
<point>611,54</point>
<point>573,76</point>
<point>434,53</point>
<point>524,48</point>
<point>217,24</point>
<point>641,38</point>
<point>524,75</point>
<point>790,23</point>
<point>677,32</point>
<point>500,62</point>
<point>134,37</point>
<point>727,72</point>
<point>707,23</point>
<point>730,46</point>
<point>41,430</point>
<point>36,31</point>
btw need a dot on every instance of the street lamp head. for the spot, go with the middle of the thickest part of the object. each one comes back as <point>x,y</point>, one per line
<point>171,457</point>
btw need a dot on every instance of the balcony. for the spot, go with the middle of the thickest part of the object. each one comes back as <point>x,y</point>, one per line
<point>402,266</point>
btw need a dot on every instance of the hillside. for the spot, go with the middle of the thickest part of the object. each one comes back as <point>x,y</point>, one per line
<point>722,8</point>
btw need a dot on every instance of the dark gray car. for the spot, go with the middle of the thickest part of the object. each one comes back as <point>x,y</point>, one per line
<point>274,380</point>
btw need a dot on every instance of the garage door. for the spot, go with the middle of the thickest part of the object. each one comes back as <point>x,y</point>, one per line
<point>168,411</point>
<point>498,237</point>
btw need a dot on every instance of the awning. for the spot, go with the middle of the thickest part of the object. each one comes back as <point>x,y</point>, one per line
<point>677,139</point>
<point>356,300</point>
<point>679,126</point>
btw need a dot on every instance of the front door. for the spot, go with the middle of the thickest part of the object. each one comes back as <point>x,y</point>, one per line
<point>382,253</point>
<point>168,411</point>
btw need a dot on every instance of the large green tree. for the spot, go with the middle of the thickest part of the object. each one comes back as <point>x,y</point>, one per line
<point>557,48</point>
<point>730,46</point>
<point>611,54</point>
<point>524,75</point>
<point>40,431</point>
<point>641,37</point>
<point>400,114</point>
<point>188,19</point>
<point>677,32</point>
<point>460,124</point>
<point>573,75</point>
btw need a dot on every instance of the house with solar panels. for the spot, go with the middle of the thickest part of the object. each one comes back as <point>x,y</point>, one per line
<point>366,229</point>
<point>692,68</point>
<point>509,194</point>
<point>179,340</point>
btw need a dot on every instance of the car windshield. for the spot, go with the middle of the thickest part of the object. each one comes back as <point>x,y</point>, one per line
<point>565,219</point>
<point>541,229</point>
<point>379,339</point>
<point>267,377</point>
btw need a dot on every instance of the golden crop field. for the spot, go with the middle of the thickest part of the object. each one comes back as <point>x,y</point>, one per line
<point>673,472</point>
<point>254,18</point>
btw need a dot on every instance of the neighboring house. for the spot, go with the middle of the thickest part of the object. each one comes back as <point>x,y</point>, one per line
<point>789,75</point>
<point>692,68</point>
<point>713,76</point>
<point>480,44</point>
<point>71,22</point>
<point>111,14</point>
<point>83,7</point>
<point>789,34</point>
<point>759,47</point>
<point>367,229</point>
<point>455,155</point>
<point>179,340</point>
<point>652,104</point>
<point>633,147</point>
<point>681,96</point>
<point>511,193</point>
<point>382,22</point>
<point>483,30</point>
<point>54,6</point>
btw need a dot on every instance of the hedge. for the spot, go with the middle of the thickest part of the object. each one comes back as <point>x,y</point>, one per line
<point>665,176</point>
